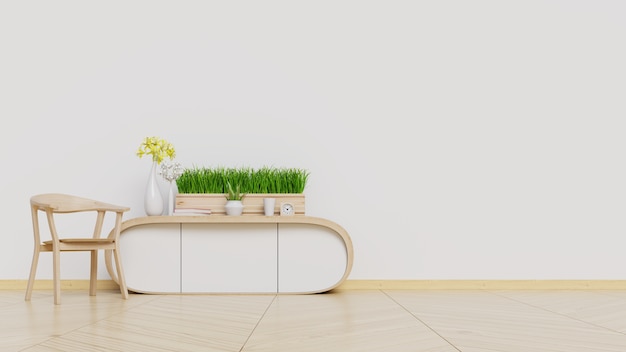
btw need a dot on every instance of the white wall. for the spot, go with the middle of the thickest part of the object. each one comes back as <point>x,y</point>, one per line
<point>452,139</point>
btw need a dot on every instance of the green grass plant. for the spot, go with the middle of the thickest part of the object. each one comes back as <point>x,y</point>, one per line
<point>249,180</point>
<point>233,193</point>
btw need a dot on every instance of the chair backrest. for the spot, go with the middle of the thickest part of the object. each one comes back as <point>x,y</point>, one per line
<point>52,203</point>
<point>65,203</point>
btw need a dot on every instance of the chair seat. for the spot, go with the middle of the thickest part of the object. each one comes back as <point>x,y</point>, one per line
<point>81,240</point>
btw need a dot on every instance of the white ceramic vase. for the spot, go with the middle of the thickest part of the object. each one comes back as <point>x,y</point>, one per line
<point>153,200</point>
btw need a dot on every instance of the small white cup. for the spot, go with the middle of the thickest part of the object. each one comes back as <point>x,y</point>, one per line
<point>268,206</point>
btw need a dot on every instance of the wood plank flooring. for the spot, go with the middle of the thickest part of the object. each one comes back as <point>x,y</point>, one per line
<point>345,320</point>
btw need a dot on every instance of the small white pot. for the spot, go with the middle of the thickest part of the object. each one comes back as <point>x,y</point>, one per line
<point>234,207</point>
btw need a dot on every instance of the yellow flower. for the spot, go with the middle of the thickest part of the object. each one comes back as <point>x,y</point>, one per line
<point>157,147</point>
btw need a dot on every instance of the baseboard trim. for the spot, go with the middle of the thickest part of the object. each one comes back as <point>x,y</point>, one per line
<point>380,285</point>
<point>483,285</point>
<point>65,285</point>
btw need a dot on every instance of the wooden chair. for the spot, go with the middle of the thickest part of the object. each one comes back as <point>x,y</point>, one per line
<point>55,203</point>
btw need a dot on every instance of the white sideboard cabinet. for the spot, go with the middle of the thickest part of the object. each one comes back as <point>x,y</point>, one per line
<point>233,254</point>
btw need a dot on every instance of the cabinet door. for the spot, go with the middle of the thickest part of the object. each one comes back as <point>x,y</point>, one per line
<point>151,258</point>
<point>311,258</point>
<point>229,258</point>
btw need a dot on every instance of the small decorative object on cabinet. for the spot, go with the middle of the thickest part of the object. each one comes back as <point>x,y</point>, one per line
<point>286,209</point>
<point>170,172</point>
<point>269,204</point>
<point>234,200</point>
<point>159,149</point>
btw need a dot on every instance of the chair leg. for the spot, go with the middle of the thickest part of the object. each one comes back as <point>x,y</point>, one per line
<point>31,277</point>
<point>121,279</point>
<point>56,275</point>
<point>108,261</point>
<point>93,275</point>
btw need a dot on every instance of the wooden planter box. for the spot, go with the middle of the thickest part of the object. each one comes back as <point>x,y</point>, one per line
<point>252,203</point>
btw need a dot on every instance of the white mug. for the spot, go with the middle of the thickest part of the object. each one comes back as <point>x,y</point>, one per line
<point>268,206</point>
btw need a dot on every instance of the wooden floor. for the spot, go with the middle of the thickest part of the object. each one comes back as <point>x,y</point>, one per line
<point>349,320</point>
